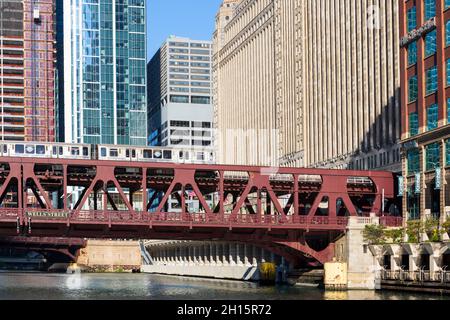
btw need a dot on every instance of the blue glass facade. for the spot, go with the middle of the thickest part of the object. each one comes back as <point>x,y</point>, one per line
<point>108,66</point>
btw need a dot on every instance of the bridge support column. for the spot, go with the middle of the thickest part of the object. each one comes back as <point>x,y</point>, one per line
<point>184,256</point>
<point>238,254</point>
<point>212,254</point>
<point>246,255</point>
<point>201,255</point>
<point>254,256</point>
<point>226,254</point>
<point>362,268</point>
<point>219,253</point>
<point>232,253</point>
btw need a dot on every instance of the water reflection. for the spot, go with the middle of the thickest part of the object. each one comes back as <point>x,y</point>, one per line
<point>153,287</point>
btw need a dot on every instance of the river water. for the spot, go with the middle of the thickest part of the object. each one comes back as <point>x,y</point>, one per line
<point>42,286</point>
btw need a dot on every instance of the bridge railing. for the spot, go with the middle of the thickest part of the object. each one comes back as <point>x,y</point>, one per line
<point>136,217</point>
<point>392,222</point>
<point>7,214</point>
<point>416,276</point>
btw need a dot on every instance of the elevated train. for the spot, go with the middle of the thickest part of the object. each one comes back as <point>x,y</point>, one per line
<point>106,152</point>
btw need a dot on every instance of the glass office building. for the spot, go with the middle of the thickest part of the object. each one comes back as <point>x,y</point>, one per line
<point>104,99</point>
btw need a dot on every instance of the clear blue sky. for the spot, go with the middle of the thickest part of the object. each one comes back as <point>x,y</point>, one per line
<point>185,18</point>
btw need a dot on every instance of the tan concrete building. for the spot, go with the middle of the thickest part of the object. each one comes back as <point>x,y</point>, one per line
<point>324,75</point>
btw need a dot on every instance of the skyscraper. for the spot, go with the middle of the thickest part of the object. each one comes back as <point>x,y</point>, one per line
<point>12,111</point>
<point>323,75</point>
<point>104,54</point>
<point>180,108</point>
<point>39,64</point>
<point>27,85</point>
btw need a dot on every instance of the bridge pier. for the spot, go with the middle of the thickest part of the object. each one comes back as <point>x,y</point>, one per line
<point>355,267</point>
<point>222,260</point>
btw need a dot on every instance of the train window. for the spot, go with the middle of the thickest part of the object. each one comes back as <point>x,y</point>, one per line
<point>5,148</point>
<point>133,153</point>
<point>103,152</point>
<point>184,155</point>
<point>85,151</point>
<point>200,156</point>
<point>113,153</point>
<point>157,154</point>
<point>127,153</point>
<point>61,151</point>
<point>75,151</point>
<point>147,154</point>
<point>19,148</point>
<point>29,149</point>
<point>40,149</point>
<point>55,150</point>
<point>167,155</point>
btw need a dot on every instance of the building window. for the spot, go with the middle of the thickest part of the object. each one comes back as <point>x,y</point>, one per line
<point>447,32</point>
<point>431,80</point>
<point>432,156</point>
<point>447,151</point>
<point>448,72</point>
<point>430,44</point>
<point>413,124</point>
<point>448,109</point>
<point>430,9</point>
<point>179,99</point>
<point>412,53</point>
<point>432,117</point>
<point>413,161</point>
<point>412,89</point>
<point>200,100</point>
<point>411,18</point>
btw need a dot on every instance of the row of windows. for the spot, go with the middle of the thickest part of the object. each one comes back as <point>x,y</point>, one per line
<point>429,10</point>
<point>193,133</point>
<point>194,99</point>
<point>192,64</point>
<point>187,124</point>
<point>193,45</point>
<point>193,58</point>
<point>432,157</point>
<point>376,161</point>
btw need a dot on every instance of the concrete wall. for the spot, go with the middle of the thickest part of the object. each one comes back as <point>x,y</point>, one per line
<point>110,255</point>
<point>247,273</point>
<point>210,259</point>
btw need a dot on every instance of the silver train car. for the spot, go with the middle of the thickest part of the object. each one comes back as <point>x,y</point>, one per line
<point>106,152</point>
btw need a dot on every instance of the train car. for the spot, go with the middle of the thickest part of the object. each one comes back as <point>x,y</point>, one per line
<point>106,152</point>
<point>155,154</point>
<point>46,150</point>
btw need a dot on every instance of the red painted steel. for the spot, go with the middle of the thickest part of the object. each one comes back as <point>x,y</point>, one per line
<point>286,206</point>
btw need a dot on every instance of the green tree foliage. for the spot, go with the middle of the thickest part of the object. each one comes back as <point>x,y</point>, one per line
<point>395,235</point>
<point>446,226</point>
<point>374,234</point>
<point>431,228</point>
<point>413,231</point>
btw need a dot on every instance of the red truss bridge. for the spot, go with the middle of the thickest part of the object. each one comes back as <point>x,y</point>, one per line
<point>295,212</point>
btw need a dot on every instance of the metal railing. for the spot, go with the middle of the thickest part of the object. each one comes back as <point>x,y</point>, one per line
<point>420,276</point>
<point>388,221</point>
<point>139,217</point>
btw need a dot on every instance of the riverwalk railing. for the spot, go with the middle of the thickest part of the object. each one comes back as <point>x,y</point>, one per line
<point>416,276</point>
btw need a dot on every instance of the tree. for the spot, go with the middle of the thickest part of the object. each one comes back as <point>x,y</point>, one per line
<point>413,231</point>
<point>395,235</point>
<point>374,234</point>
